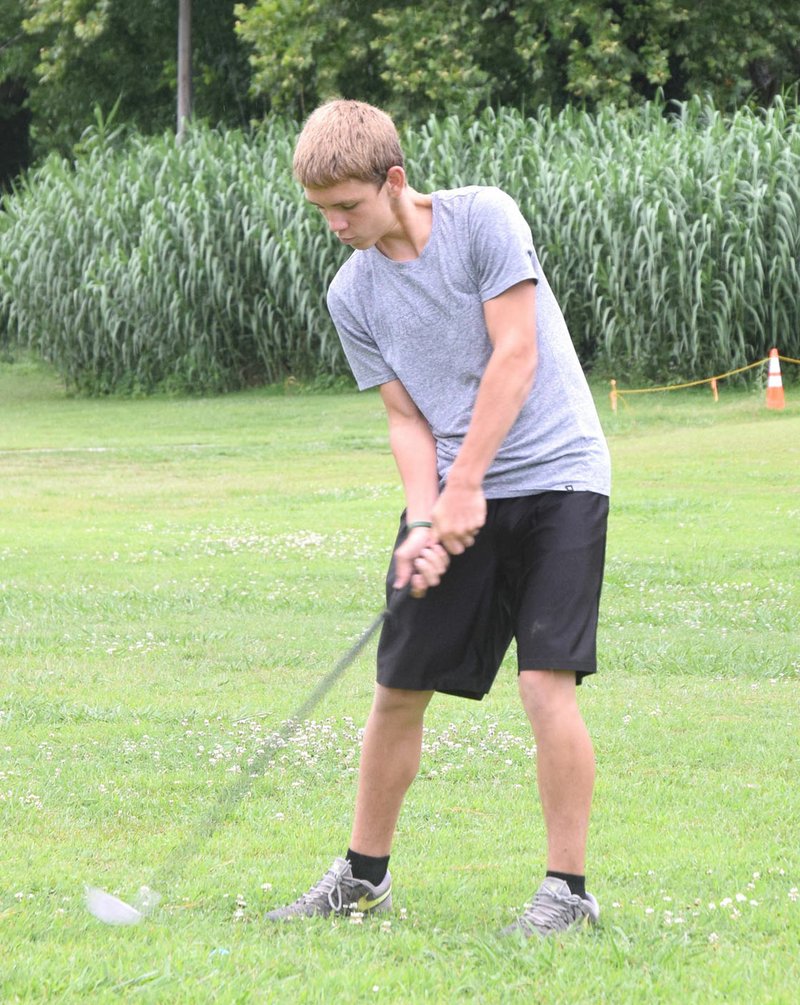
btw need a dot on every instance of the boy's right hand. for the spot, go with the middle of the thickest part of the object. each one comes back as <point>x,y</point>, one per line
<point>420,560</point>
<point>458,515</point>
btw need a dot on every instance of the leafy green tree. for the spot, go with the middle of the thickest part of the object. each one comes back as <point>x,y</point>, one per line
<point>460,56</point>
<point>623,52</point>
<point>304,51</point>
<point>80,54</point>
<point>738,48</point>
<point>17,59</point>
<point>411,58</point>
<point>431,57</point>
<point>596,53</point>
<point>60,60</point>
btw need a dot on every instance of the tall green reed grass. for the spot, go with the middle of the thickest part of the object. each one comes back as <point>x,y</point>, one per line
<point>672,242</point>
<point>192,267</point>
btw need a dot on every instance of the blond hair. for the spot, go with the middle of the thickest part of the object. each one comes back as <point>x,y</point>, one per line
<point>345,140</point>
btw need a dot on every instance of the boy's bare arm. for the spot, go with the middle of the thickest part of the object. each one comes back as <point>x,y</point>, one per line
<point>460,511</point>
<point>420,558</point>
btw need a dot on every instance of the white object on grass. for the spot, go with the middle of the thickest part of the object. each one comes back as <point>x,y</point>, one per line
<point>113,911</point>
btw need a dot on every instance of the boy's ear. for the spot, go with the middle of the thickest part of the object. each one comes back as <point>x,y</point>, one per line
<point>396,180</point>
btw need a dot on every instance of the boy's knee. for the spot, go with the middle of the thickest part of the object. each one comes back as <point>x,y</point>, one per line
<point>400,703</point>
<point>547,693</point>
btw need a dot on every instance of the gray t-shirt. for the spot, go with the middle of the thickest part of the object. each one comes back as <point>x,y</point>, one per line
<point>421,322</point>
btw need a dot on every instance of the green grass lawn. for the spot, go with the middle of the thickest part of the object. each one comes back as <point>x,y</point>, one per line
<point>175,575</point>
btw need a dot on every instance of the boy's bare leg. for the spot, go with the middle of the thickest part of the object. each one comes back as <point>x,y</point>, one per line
<point>390,756</point>
<point>565,764</point>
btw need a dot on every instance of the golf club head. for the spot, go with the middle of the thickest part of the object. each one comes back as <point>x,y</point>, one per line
<point>113,911</point>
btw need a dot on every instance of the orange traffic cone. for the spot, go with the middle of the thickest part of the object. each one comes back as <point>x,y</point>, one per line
<point>774,382</point>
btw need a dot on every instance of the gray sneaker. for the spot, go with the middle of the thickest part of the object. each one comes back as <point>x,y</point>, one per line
<point>338,892</point>
<point>554,909</point>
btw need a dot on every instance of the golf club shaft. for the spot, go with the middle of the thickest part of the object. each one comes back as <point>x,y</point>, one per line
<point>233,793</point>
<point>330,678</point>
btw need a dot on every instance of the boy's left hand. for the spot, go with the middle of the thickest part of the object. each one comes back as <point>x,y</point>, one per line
<point>421,561</point>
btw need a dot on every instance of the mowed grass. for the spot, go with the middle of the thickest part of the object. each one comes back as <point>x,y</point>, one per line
<point>175,575</point>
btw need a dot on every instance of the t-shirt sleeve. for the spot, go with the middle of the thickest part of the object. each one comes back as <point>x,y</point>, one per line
<point>363,356</point>
<point>501,245</point>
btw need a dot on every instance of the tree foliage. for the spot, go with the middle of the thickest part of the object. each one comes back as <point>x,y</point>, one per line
<point>302,47</point>
<point>62,59</point>
<point>17,59</point>
<point>460,56</point>
<point>74,55</point>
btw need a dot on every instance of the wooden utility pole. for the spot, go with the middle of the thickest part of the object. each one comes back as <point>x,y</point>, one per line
<point>184,66</point>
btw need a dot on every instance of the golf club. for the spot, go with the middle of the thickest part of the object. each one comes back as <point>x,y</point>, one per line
<point>111,910</point>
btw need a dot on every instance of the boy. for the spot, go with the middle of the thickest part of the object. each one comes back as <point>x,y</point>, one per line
<point>443,305</point>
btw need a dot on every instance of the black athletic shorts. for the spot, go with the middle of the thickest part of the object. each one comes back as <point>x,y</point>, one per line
<point>534,574</point>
